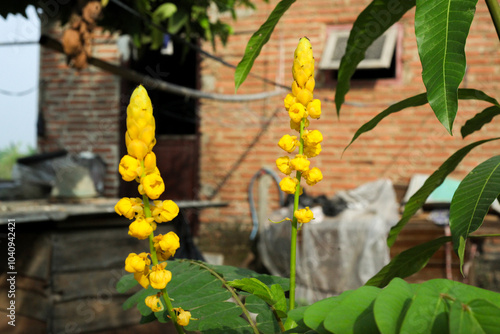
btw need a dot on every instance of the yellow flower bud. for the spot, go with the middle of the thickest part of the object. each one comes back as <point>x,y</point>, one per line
<point>304,97</point>
<point>297,112</point>
<point>128,168</point>
<point>183,317</point>
<point>301,77</point>
<point>142,278</point>
<point>303,215</point>
<point>296,125</point>
<point>159,277</point>
<point>149,163</point>
<point>140,101</point>
<point>310,84</point>
<point>312,138</point>
<point>295,88</point>
<point>153,185</point>
<point>312,151</point>
<point>313,176</point>
<point>289,101</point>
<point>283,164</point>
<point>289,185</point>
<point>168,243</point>
<point>124,207</point>
<point>140,229</point>
<point>154,303</point>
<point>288,143</point>
<point>147,135</point>
<point>137,148</point>
<point>170,211</point>
<point>300,163</point>
<point>314,108</point>
<point>137,263</point>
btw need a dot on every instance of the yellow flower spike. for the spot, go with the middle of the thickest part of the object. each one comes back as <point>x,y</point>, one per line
<point>154,303</point>
<point>304,97</point>
<point>312,151</point>
<point>296,112</point>
<point>183,317</point>
<point>140,102</point>
<point>288,143</point>
<point>147,135</point>
<point>170,210</point>
<point>153,185</point>
<point>159,277</point>
<point>312,138</point>
<point>300,163</point>
<point>128,168</point>
<point>137,263</point>
<point>125,208</point>
<point>313,176</point>
<point>140,229</point>
<point>289,185</point>
<point>314,108</point>
<point>283,164</point>
<point>289,101</point>
<point>303,215</point>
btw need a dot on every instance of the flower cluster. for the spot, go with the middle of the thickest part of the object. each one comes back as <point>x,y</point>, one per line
<point>301,105</point>
<point>140,165</point>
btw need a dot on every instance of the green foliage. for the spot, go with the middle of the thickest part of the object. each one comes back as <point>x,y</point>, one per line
<point>471,202</point>
<point>378,16</point>
<point>476,123</point>
<point>258,40</point>
<point>205,290</point>
<point>441,28</point>
<point>436,306</point>
<point>434,181</point>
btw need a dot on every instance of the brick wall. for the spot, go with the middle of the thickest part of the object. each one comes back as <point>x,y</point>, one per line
<point>410,142</point>
<point>81,109</point>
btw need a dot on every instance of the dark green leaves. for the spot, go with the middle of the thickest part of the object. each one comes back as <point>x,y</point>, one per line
<point>407,262</point>
<point>476,123</point>
<point>437,306</point>
<point>471,202</point>
<point>258,40</point>
<point>434,181</point>
<point>370,24</point>
<point>203,290</point>
<point>441,28</point>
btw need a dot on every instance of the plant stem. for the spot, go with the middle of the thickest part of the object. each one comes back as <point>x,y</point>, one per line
<point>154,259</point>
<point>494,9</point>
<point>293,243</point>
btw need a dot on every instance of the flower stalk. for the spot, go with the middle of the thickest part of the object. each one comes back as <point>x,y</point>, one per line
<point>140,165</point>
<point>300,105</point>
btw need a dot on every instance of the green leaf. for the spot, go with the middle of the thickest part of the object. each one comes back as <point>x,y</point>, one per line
<point>280,304</point>
<point>126,283</point>
<point>391,306</point>
<point>177,21</point>
<point>265,320</point>
<point>441,28</point>
<point>316,313</point>
<point>428,313</point>
<point>462,317</point>
<point>407,262</point>
<point>164,11</point>
<point>258,40</point>
<point>480,119</point>
<point>434,181</point>
<point>377,17</point>
<point>471,202</point>
<point>354,314</point>
<point>297,315</point>
<point>202,289</point>
<point>416,101</point>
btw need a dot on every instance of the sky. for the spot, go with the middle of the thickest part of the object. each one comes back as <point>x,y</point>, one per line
<point>19,74</point>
